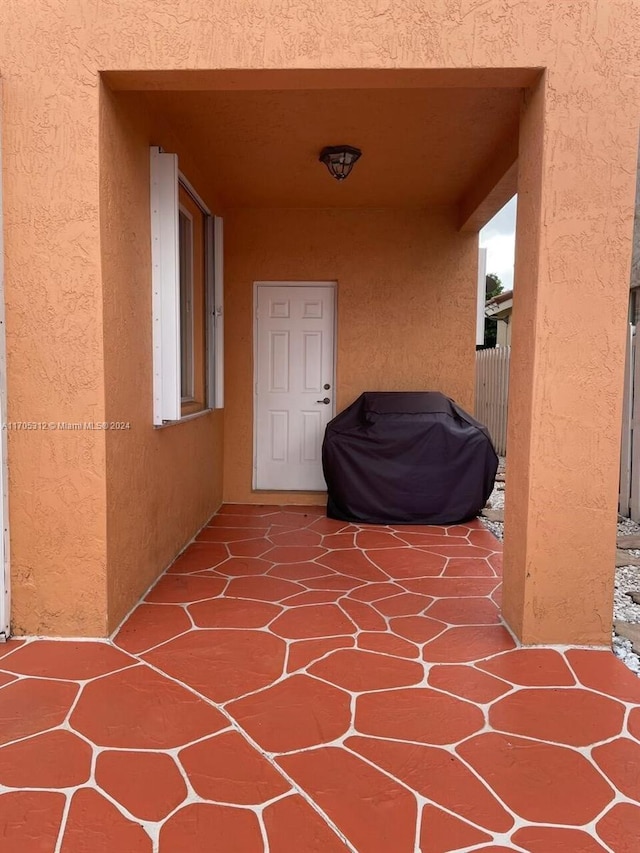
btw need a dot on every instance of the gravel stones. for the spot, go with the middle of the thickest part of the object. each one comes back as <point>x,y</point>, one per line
<point>627,579</point>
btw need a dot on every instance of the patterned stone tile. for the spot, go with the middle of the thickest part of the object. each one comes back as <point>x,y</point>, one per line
<point>304,652</point>
<point>222,664</point>
<point>308,623</point>
<point>417,714</point>
<point>531,667</point>
<point>375,591</point>
<point>573,717</point>
<point>70,661</point>
<point>468,643</point>
<point>54,759</point>
<point>248,548</point>
<point>96,824</point>
<point>467,682</point>
<point>468,568</point>
<point>6,678</point>
<point>619,760</point>
<point>353,563</point>
<point>437,775</point>
<point>601,671</point>
<point>227,769</point>
<point>417,629</point>
<point>195,826</point>
<point>292,825</point>
<point>451,587</point>
<point>182,589</point>
<point>139,709</point>
<point>388,644</point>
<point>538,781</point>
<point>317,686</point>
<point>363,616</point>
<point>465,611</point>
<point>10,647</point>
<point>442,832</point>
<point>620,828</point>
<point>358,671</point>
<point>148,784</point>
<point>233,613</point>
<point>316,596</point>
<point>295,714</point>
<point>261,588</point>
<point>199,556</point>
<point>375,813</point>
<point>296,538</point>
<point>403,563</point>
<point>555,839</point>
<point>149,625</point>
<point>406,604</point>
<point>33,705</point>
<point>230,534</point>
<point>30,820</point>
<point>294,554</point>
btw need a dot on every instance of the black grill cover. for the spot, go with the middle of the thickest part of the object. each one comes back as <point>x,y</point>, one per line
<point>407,458</point>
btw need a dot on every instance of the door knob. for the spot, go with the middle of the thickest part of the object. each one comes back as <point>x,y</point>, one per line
<point>326,387</point>
<point>326,401</point>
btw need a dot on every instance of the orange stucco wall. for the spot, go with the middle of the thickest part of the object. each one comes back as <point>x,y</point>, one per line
<point>405,307</point>
<point>568,340</point>
<point>63,268</point>
<point>162,484</point>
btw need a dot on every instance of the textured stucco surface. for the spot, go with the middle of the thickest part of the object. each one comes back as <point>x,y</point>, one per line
<point>578,162</point>
<point>269,142</point>
<point>635,261</point>
<point>162,484</point>
<point>405,306</point>
<point>574,249</point>
<point>57,490</point>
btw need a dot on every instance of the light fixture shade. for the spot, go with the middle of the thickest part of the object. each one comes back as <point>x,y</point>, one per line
<point>339,159</point>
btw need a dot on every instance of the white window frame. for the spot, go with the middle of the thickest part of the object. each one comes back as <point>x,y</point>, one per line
<point>165,276</point>
<point>189,397</point>
<point>215,310</point>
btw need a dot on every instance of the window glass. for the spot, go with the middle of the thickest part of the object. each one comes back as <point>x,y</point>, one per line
<point>186,305</point>
<point>193,337</point>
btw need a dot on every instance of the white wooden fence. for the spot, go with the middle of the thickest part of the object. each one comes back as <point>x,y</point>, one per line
<point>492,393</point>
<point>629,502</point>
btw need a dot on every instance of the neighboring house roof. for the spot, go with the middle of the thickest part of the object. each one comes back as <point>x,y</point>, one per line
<point>499,307</point>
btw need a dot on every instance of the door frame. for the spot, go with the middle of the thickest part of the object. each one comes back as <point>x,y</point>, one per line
<point>257,284</point>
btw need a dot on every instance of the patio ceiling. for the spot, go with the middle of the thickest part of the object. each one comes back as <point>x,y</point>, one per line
<point>421,146</point>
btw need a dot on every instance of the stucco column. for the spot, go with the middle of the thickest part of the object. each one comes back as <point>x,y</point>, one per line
<point>55,364</point>
<point>578,143</point>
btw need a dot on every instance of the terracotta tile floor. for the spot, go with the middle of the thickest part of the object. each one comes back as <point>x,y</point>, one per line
<point>294,684</point>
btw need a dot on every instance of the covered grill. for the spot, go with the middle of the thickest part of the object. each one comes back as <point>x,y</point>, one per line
<point>407,458</point>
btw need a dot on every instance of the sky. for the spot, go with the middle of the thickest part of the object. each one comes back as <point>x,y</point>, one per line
<point>499,238</point>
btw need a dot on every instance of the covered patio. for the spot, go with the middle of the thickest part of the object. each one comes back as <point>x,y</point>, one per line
<point>297,684</point>
<point>125,483</point>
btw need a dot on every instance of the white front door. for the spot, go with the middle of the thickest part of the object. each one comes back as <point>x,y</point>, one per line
<point>294,383</point>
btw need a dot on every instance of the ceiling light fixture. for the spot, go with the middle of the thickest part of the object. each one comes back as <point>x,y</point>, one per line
<point>339,159</point>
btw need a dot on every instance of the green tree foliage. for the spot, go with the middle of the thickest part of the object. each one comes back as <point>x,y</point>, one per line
<point>493,287</point>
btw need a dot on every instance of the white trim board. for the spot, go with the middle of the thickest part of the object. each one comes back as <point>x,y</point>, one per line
<point>165,283</point>
<point>165,278</point>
